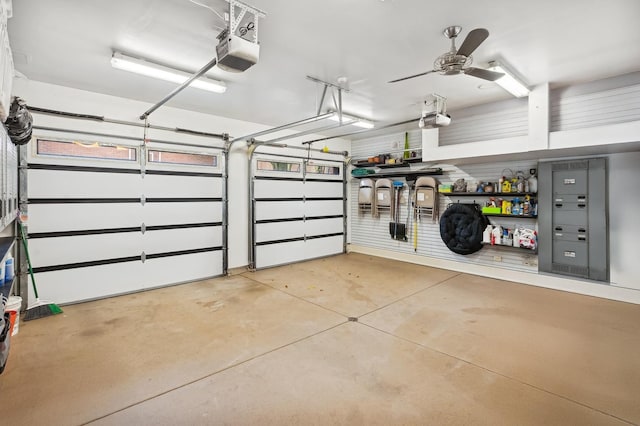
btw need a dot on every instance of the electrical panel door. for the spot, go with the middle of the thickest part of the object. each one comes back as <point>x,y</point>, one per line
<point>572,216</point>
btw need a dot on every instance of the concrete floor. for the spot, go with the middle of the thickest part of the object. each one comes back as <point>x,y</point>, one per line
<point>276,347</point>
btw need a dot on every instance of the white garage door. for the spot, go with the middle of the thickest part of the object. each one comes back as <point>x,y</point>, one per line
<point>107,219</point>
<point>298,209</point>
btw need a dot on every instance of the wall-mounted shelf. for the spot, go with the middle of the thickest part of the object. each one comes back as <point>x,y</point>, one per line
<point>510,247</point>
<point>512,216</point>
<point>5,245</point>
<point>488,194</point>
<point>405,161</point>
<point>5,292</point>
<point>409,174</point>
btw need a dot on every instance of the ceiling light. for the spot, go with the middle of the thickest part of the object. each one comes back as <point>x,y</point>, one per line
<point>509,81</point>
<point>352,120</point>
<point>139,66</point>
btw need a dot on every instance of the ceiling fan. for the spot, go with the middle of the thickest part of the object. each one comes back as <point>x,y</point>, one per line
<point>457,61</point>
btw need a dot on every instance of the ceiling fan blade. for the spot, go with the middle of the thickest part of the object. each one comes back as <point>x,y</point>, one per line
<point>473,40</point>
<point>411,76</point>
<point>483,74</point>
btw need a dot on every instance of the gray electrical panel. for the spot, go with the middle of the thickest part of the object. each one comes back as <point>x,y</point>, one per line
<point>573,235</point>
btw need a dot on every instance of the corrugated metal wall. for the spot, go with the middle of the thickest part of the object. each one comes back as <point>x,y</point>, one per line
<point>374,232</point>
<point>574,111</point>
<point>497,120</point>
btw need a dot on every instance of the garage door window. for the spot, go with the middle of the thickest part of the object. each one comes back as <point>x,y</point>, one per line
<point>279,166</point>
<point>80,149</point>
<point>172,157</point>
<point>323,170</point>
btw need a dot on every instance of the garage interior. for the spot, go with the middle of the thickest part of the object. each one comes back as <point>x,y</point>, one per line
<point>284,213</point>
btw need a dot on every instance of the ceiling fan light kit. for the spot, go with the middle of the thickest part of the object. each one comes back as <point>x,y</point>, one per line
<point>161,72</point>
<point>509,82</point>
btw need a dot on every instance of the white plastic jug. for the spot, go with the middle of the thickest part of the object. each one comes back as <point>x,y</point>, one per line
<point>533,183</point>
<point>497,235</point>
<point>486,235</point>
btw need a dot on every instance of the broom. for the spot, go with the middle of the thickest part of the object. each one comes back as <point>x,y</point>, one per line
<point>40,308</point>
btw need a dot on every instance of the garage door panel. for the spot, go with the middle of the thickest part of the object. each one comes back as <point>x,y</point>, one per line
<point>277,254</point>
<point>322,194</point>
<point>74,285</point>
<point>83,248</point>
<point>77,217</point>
<point>182,213</point>
<point>183,268</point>
<point>324,226</point>
<point>102,206</point>
<point>323,208</point>
<point>323,189</point>
<point>182,186</point>
<point>279,231</point>
<point>167,240</point>
<point>268,210</point>
<point>278,189</point>
<point>319,247</point>
<point>73,184</point>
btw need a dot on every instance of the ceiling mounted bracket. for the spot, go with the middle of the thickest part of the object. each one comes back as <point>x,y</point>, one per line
<point>326,83</point>
<point>337,103</point>
<point>237,15</point>
<point>225,58</point>
<point>324,93</point>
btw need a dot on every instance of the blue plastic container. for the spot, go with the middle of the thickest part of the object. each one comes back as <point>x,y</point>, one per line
<point>8,270</point>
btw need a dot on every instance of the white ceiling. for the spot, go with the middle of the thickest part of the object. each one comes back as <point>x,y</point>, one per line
<point>69,42</point>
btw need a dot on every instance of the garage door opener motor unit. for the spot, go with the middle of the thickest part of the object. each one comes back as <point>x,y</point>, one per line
<point>238,47</point>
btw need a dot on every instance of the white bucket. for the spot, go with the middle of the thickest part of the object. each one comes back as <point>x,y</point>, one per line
<point>14,304</point>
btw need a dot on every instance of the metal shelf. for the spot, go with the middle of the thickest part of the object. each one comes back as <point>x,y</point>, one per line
<point>5,288</point>
<point>404,163</point>
<point>5,245</point>
<point>488,194</point>
<point>510,247</point>
<point>5,291</point>
<point>512,216</point>
<point>408,173</point>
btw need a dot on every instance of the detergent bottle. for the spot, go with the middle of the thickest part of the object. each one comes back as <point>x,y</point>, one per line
<point>496,235</point>
<point>516,237</point>
<point>506,186</point>
<point>486,235</point>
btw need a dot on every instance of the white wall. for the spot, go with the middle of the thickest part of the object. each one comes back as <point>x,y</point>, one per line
<point>62,98</point>
<point>624,205</point>
<point>624,209</point>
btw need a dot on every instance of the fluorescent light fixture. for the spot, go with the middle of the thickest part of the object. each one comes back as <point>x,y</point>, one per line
<point>140,66</point>
<point>509,81</point>
<point>355,121</point>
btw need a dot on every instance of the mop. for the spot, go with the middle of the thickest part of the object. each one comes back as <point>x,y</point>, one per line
<point>40,308</point>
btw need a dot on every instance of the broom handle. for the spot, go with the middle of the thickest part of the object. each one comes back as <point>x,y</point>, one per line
<point>26,250</point>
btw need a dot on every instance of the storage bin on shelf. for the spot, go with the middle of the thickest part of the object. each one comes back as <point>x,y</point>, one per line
<point>445,188</point>
<point>491,210</point>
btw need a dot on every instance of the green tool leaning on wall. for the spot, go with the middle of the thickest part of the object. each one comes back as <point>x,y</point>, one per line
<point>39,309</point>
